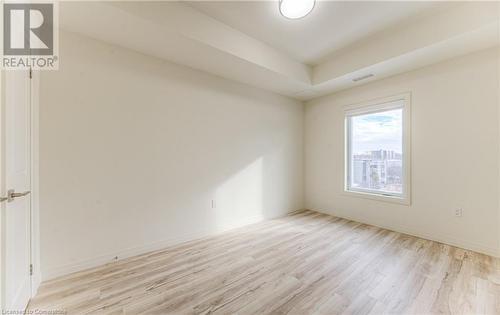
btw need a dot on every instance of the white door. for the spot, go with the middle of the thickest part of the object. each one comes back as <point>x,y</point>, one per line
<point>16,184</point>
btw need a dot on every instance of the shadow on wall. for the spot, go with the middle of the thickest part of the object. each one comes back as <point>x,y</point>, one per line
<point>239,193</point>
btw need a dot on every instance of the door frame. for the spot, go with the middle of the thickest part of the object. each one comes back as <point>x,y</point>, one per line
<point>34,196</point>
<point>36,277</point>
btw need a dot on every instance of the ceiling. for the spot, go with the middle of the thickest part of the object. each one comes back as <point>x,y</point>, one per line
<point>323,53</point>
<point>329,27</point>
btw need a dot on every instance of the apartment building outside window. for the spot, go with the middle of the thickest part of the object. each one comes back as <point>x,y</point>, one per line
<point>377,150</point>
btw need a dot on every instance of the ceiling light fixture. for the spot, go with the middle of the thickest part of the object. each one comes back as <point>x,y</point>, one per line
<point>296,9</point>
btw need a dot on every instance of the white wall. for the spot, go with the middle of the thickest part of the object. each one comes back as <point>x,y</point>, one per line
<point>455,153</point>
<point>134,149</point>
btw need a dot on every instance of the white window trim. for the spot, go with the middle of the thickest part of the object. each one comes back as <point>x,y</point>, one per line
<point>374,106</point>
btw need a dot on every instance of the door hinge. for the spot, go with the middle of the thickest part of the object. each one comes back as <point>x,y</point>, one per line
<point>31,74</point>
<point>31,269</point>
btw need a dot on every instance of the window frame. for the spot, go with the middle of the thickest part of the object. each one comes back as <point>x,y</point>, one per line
<point>371,107</point>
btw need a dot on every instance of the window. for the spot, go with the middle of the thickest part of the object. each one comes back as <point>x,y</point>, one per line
<point>377,149</point>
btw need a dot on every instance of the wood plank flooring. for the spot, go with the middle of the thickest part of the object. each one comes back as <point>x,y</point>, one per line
<point>305,263</point>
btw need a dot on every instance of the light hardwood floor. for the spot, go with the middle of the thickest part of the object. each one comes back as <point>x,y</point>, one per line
<point>304,263</point>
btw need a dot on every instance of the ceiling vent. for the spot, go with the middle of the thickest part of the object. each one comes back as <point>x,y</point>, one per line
<point>363,77</point>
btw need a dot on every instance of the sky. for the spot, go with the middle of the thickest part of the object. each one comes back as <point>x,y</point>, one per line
<point>378,131</point>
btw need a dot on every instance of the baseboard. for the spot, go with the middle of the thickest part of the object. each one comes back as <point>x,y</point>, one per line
<point>138,250</point>
<point>445,239</point>
<point>121,254</point>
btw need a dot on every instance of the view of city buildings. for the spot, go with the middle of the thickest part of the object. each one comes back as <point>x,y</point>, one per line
<point>378,170</point>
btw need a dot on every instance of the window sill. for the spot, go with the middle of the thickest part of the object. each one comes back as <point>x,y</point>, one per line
<point>378,197</point>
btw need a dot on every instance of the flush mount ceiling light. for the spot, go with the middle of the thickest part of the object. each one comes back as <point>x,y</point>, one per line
<point>296,9</point>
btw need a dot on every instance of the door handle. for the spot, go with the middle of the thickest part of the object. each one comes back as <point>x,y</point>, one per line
<point>11,195</point>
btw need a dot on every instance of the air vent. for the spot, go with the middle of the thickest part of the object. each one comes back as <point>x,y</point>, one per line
<point>363,77</point>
